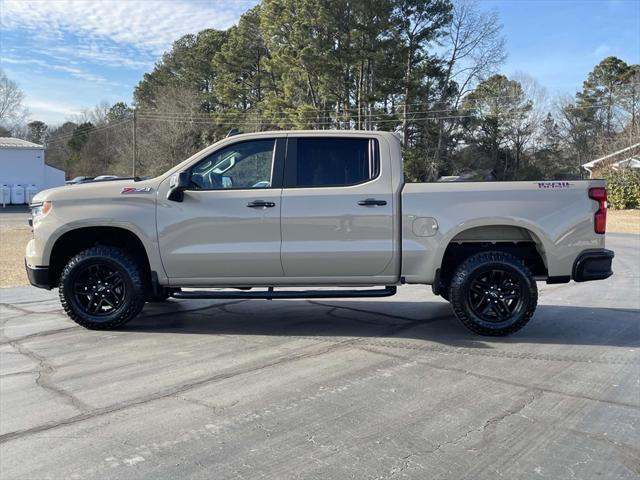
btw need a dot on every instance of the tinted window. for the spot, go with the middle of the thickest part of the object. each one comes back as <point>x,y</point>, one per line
<point>324,162</point>
<point>242,165</point>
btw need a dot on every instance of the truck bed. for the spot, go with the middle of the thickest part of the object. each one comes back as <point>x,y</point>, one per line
<point>557,216</point>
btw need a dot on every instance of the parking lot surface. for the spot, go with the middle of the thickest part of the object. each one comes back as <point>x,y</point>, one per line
<point>362,389</point>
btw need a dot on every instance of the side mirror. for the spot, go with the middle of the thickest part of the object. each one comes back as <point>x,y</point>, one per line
<point>177,185</point>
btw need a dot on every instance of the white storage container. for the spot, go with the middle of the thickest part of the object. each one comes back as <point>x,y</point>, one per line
<point>17,194</point>
<point>5,194</point>
<point>30,192</point>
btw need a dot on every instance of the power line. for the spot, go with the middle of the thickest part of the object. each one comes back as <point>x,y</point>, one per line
<point>67,136</point>
<point>378,104</point>
<point>261,118</point>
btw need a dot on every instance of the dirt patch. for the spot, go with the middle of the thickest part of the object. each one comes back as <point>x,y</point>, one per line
<point>623,221</point>
<point>13,241</point>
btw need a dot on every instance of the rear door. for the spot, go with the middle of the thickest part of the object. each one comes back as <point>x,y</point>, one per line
<point>337,208</point>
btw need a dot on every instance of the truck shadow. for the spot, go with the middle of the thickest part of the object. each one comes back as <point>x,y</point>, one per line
<point>418,321</point>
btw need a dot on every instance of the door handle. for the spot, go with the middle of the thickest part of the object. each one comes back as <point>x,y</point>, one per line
<point>260,204</point>
<point>372,202</point>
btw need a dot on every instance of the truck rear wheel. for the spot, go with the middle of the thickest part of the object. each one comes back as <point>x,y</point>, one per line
<point>102,288</point>
<point>493,293</point>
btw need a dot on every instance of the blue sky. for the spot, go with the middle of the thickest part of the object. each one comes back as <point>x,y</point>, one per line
<point>69,55</point>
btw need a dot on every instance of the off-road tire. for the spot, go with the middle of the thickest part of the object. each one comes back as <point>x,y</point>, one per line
<point>128,269</point>
<point>471,270</point>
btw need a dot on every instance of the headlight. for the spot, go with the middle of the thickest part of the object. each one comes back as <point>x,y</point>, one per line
<point>39,210</point>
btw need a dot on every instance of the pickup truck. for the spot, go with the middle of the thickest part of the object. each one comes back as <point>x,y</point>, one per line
<point>311,209</point>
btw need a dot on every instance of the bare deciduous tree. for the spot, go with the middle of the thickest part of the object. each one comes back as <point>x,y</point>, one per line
<point>475,49</point>
<point>12,110</point>
<point>526,122</point>
<point>172,132</point>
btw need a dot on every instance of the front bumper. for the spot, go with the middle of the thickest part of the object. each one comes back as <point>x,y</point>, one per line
<point>38,276</point>
<point>593,265</point>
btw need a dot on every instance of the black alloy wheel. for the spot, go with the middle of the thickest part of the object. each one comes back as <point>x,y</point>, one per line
<point>493,293</point>
<point>102,287</point>
<point>99,289</point>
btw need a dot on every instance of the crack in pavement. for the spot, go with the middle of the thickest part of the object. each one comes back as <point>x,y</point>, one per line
<point>39,335</point>
<point>12,306</point>
<point>630,455</point>
<point>202,403</point>
<point>412,322</point>
<point>176,390</point>
<point>488,426</point>
<point>45,371</point>
<point>383,314</point>
<point>221,306</point>
<point>77,327</point>
<point>499,380</point>
<point>491,352</point>
<point>170,392</point>
<point>16,374</point>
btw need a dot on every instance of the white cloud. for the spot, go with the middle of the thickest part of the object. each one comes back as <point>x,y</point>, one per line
<point>99,47</point>
<point>100,53</point>
<point>150,25</point>
<point>72,71</point>
<point>51,112</point>
<point>22,61</point>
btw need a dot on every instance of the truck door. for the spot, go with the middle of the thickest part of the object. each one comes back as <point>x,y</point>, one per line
<point>228,224</point>
<point>337,208</point>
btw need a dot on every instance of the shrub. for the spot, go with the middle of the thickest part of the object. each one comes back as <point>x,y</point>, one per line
<point>623,188</point>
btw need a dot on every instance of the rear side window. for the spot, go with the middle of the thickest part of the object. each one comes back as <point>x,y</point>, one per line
<point>331,162</point>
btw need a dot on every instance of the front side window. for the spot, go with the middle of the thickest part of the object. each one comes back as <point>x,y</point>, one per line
<point>242,165</point>
<point>334,162</point>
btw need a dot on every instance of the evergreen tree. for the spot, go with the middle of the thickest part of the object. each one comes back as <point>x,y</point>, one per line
<point>37,131</point>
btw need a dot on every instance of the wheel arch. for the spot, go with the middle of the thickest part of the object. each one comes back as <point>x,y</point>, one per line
<point>515,236</point>
<point>75,240</point>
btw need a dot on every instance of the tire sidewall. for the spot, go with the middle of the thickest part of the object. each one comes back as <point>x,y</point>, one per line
<point>467,272</point>
<point>117,259</point>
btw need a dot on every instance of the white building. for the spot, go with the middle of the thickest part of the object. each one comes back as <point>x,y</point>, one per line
<point>22,163</point>
<point>626,158</point>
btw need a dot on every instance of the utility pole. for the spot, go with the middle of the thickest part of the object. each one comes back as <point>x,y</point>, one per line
<point>135,145</point>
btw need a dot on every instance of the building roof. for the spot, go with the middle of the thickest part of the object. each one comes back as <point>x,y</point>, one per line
<point>624,154</point>
<point>10,142</point>
<point>633,162</point>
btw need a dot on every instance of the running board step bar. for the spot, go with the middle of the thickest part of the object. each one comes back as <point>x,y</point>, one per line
<point>283,294</point>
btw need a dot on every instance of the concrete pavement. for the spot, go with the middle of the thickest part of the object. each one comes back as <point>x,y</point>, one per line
<point>362,389</point>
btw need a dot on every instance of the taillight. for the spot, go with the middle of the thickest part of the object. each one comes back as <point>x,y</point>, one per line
<point>599,194</point>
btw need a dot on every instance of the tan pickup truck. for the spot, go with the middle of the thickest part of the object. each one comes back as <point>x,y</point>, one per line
<point>256,212</point>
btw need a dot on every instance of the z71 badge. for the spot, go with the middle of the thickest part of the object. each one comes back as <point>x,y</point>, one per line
<point>554,184</point>
<point>128,190</point>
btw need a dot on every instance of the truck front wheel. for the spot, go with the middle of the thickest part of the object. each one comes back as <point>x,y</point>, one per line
<point>102,288</point>
<point>493,293</point>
